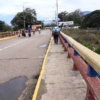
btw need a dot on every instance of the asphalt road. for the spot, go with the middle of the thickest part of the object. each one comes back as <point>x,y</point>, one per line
<point>20,63</point>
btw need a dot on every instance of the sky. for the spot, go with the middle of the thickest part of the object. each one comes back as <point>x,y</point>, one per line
<point>45,8</point>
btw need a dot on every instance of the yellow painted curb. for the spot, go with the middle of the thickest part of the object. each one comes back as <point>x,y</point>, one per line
<point>41,73</point>
<point>8,38</point>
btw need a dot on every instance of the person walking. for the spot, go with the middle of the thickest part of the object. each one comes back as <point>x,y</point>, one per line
<point>39,30</point>
<point>23,33</point>
<point>19,32</point>
<point>29,31</point>
<point>55,33</point>
<point>33,31</point>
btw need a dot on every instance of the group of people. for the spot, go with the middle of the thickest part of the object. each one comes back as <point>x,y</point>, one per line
<point>55,33</point>
<point>22,32</point>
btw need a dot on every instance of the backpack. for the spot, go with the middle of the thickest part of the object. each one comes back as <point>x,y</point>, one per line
<point>56,31</point>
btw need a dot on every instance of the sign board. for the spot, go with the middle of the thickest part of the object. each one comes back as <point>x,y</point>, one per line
<point>67,23</point>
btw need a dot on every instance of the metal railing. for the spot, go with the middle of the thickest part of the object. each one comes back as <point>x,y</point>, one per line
<point>8,34</point>
<point>87,62</point>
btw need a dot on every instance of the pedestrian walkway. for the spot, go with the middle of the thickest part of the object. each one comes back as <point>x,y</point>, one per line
<point>59,81</point>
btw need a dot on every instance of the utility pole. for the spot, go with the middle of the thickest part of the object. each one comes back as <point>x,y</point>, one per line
<point>57,11</point>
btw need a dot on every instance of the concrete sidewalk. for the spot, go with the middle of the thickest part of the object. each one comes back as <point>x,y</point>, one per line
<point>59,81</point>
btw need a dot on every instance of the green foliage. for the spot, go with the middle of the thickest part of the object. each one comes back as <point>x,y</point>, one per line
<point>2,24</point>
<point>42,25</point>
<point>90,38</point>
<point>4,27</point>
<point>92,20</point>
<point>96,40</point>
<point>97,50</point>
<point>31,11</point>
<point>38,22</point>
<point>62,15</point>
<point>75,16</point>
<point>27,16</point>
<point>87,44</point>
<point>8,28</point>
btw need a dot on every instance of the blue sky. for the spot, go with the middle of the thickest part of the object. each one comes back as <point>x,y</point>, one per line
<point>45,8</point>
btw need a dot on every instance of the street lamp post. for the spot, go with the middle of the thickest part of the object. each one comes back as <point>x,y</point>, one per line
<point>55,15</point>
<point>57,11</point>
<point>24,15</point>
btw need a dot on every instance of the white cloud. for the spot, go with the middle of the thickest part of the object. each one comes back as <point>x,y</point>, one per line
<point>45,8</point>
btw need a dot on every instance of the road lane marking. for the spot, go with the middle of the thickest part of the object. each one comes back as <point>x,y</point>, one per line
<point>41,73</point>
<point>13,45</point>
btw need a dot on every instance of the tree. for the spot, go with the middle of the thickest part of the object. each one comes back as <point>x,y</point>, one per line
<point>7,28</point>
<point>18,21</point>
<point>92,20</point>
<point>62,16</point>
<point>32,11</point>
<point>77,17</point>
<point>4,27</point>
<point>69,17</point>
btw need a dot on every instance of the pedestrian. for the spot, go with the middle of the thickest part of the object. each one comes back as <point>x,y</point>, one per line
<point>19,32</point>
<point>55,33</point>
<point>23,33</point>
<point>33,31</point>
<point>39,30</point>
<point>29,31</point>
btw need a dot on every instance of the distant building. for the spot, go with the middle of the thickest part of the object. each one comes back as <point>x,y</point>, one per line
<point>76,27</point>
<point>36,26</point>
<point>73,27</point>
<point>66,23</point>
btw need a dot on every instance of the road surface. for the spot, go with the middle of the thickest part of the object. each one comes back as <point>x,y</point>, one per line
<point>20,63</point>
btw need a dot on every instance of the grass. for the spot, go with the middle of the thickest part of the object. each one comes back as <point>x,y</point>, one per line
<point>88,38</point>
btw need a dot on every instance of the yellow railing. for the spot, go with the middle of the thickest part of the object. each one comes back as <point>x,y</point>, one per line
<point>89,56</point>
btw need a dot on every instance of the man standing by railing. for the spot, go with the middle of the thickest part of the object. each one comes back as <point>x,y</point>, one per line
<point>55,33</point>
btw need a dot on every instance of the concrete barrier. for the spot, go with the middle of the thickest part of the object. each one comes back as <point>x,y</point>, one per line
<point>87,62</point>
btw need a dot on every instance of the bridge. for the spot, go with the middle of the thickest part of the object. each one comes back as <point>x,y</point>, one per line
<point>69,70</point>
<point>60,78</point>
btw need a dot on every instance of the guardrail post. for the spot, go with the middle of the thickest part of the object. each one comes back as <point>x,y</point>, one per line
<point>61,40</point>
<point>74,66</point>
<point>89,95</point>
<point>92,72</point>
<point>64,42</point>
<point>89,74</point>
<point>70,51</point>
